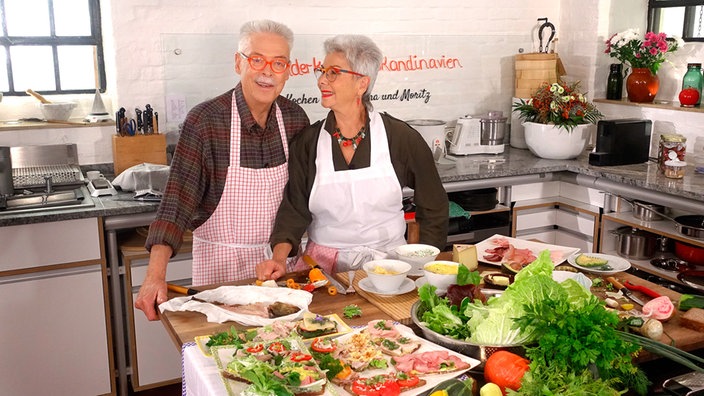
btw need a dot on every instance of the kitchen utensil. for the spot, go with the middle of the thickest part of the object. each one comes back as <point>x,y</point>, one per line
<point>545,25</point>
<point>493,128</point>
<point>689,253</point>
<point>635,244</point>
<point>671,264</point>
<point>624,290</point>
<point>181,289</point>
<point>350,278</point>
<point>693,279</point>
<point>334,282</point>
<point>483,134</point>
<point>647,291</point>
<point>55,111</point>
<point>646,211</point>
<point>37,96</point>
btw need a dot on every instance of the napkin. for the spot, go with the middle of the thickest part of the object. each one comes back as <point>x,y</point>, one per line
<point>240,295</point>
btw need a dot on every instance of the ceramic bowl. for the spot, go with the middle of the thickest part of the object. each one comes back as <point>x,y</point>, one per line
<point>441,279</point>
<point>417,254</point>
<point>57,111</point>
<point>386,275</point>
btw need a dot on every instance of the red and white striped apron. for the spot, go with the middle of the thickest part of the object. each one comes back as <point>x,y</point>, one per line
<point>235,238</point>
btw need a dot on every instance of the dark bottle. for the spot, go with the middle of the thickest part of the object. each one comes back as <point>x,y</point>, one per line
<point>614,86</point>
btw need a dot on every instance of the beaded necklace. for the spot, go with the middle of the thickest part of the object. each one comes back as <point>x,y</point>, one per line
<point>345,141</point>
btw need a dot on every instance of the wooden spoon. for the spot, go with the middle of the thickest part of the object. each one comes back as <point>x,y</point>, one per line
<point>37,96</point>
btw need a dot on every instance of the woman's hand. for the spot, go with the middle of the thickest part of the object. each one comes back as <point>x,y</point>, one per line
<point>271,269</point>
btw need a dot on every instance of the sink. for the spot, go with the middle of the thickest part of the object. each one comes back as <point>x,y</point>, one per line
<point>46,201</point>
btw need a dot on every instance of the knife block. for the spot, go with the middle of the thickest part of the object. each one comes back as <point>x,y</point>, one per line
<point>532,70</point>
<point>128,151</point>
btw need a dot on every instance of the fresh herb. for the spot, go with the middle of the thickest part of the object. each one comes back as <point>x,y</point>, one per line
<point>575,335</point>
<point>381,325</point>
<point>390,345</point>
<point>541,381</point>
<point>231,337</point>
<point>352,311</point>
<point>597,282</point>
<point>328,363</point>
<point>467,277</point>
<point>379,363</point>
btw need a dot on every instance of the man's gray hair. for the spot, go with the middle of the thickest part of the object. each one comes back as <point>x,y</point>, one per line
<point>363,55</point>
<point>262,26</point>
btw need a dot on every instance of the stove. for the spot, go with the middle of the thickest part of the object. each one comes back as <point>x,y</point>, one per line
<point>45,177</point>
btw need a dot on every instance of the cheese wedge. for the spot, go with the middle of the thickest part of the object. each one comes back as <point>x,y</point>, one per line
<point>465,255</point>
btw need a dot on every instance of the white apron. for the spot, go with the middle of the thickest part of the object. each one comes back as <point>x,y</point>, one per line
<point>357,211</point>
<point>235,238</point>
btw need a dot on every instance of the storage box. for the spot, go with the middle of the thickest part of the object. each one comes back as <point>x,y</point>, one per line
<point>128,151</point>
<point>532,70</point>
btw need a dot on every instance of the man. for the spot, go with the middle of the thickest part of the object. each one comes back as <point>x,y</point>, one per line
<point>229,171</point>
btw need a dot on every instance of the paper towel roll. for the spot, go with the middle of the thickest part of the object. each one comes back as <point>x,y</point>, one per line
<point>518,139</point>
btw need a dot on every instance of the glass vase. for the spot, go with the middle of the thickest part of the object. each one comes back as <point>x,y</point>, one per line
<point>642,85</point>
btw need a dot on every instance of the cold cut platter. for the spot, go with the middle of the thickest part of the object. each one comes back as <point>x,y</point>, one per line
<point>516,253</point>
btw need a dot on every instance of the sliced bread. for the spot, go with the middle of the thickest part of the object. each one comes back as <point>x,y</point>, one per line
<point>693,319</point>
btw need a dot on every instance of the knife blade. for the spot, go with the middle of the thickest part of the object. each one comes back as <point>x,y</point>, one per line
<point>625,291</point>
<point>334,282</point>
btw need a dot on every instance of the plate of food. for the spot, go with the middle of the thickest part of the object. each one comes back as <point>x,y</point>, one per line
<point>514,254</point>
<point>599,263</point>
<point>310,327</point>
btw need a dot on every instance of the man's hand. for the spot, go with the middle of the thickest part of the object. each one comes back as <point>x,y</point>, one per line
<point>270,269</point>
<point>152,293</point>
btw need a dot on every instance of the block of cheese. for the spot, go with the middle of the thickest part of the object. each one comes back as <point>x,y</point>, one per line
<point>465,255</point>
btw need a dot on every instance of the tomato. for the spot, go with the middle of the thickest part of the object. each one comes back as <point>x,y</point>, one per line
<point>379,385</point>
<point>300,357</point>
<point>322,345</point>
<point>390,388</point>
<point>406,380</point>
<point>505,369</point>
<point>255,348</point>
<point>276,347</point>
<point>309,287</point>
<point>689,96</point>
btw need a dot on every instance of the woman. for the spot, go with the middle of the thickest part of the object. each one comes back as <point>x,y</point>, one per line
<point>346,173</point>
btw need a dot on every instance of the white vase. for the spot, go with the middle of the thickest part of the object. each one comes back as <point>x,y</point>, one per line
<point>550,142</point>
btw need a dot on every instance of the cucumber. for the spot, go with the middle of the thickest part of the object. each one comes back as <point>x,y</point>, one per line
<point>688,301</point>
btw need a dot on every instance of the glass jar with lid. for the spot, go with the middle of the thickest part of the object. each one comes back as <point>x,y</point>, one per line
<point>671,142</point>
<point>674,169</point>
<point>693,79</point>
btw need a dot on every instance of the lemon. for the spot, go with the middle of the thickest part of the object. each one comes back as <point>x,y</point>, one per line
<point>627,306</point>
<point>441,392</point>
<point>490,389</point>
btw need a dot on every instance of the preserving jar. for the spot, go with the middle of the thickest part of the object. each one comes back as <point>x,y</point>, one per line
<point>671,143</point>
<point>674,169</point>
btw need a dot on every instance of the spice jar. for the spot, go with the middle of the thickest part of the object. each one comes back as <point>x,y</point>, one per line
<point>671,143</point>
<point>674,169</point>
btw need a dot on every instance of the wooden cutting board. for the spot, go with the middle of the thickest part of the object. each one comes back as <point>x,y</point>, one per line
<point>398,307</point>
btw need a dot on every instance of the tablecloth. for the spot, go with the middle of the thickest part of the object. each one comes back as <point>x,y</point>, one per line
<point>200,375</point>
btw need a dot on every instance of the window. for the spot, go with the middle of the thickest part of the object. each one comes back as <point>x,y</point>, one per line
<point>684,18</point>
<point>51,46</point>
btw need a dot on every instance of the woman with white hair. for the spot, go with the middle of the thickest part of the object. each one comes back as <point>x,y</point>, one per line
<point>347,172</point>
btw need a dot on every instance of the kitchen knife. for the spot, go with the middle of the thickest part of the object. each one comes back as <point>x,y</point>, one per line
<point>181,289</point>
<point>648,292</point>
<point>625,291</point>
<point>334,282</point>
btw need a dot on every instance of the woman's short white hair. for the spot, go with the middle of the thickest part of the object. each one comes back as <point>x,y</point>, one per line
<point>250,28</point>
<point>363,55</point>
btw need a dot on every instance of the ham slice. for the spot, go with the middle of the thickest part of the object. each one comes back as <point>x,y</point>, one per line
<point>429,362</point>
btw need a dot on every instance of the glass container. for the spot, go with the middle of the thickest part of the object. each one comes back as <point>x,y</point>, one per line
<point>669,144</point>
<point>693,78</point>
<point>614,85</point>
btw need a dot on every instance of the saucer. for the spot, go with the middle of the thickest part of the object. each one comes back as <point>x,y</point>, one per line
<point>423,280</point>
<point>406,286</point>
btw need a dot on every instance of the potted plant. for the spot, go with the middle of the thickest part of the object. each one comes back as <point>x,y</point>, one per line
<point>557,119</point>
<point>644,54</point>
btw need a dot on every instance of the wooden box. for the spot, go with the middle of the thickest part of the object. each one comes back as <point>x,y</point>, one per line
<point>532,70</point>
<point>128,151</point>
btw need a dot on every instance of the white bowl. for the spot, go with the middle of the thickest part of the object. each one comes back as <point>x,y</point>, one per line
<point>57,111</point>
<point>561,276</point>
<point>417,254</point>
<point>386,275</point>
<point>441,281</point>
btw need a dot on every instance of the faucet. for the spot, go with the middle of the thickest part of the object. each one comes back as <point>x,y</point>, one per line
<point>49,183</point>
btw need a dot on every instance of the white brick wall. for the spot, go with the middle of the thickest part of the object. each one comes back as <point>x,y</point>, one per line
<point>133,32</point>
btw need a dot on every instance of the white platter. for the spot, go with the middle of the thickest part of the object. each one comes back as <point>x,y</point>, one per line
<point>616,264</point>
<point>562,252</point>
<point>406,286</point>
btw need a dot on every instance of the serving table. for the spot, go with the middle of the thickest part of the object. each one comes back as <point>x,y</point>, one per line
<point>200,374</point>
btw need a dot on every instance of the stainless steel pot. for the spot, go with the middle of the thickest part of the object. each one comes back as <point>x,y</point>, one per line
<point>647,211</point>
<point>636,244</point>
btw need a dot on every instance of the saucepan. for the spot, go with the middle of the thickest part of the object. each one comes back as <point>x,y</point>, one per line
<point>687,225</point>
<point>646,211</point>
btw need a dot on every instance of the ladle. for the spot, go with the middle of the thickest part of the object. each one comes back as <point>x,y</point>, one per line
<point>37,96</point>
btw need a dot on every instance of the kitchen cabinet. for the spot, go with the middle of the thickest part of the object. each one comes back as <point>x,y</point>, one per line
<point>56,317</point>
<point>152,357</point>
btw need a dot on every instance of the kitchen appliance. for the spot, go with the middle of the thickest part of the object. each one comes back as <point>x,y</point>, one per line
<point>479,134</point>
<point>45,177</point>
<point>433,131</point>
<point>621,142</point>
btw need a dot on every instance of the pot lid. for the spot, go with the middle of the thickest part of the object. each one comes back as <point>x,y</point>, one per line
<point>633,231</point>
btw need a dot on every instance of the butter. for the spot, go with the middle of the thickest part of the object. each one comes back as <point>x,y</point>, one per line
<point>465,255</point>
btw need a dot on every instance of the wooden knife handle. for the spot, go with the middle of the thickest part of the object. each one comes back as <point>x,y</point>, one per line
<point>180,289</point>
<point>309,260</point>
<point>614,282</point>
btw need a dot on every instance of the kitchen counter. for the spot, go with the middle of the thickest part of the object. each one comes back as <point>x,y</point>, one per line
<point>514,166</point>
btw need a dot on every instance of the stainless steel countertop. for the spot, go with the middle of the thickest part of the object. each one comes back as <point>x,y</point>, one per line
<point>511,167</point>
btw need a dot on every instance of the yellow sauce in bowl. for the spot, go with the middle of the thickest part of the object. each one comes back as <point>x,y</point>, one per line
<point>441,268</point>
<point>383,271</point>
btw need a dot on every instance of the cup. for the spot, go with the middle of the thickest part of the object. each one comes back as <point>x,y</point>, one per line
<point>93,175</point>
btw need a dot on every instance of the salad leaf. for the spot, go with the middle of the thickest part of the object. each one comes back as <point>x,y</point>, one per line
<point>438,315</point>
<point>351,311</point>
<point>467,277</point>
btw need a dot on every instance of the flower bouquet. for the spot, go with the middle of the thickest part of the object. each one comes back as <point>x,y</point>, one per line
<point>638,51</point>
<point>560,104</point>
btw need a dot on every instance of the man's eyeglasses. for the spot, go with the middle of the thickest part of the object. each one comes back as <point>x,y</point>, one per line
<point>258,63</point>
<point>332,72</point>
